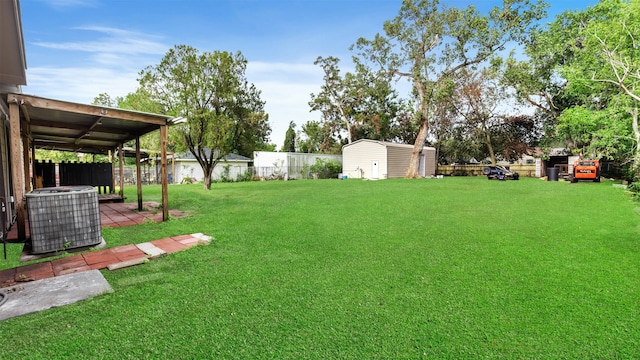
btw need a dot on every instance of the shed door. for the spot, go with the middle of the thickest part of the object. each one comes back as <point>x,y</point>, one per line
<point>374,169</point>
<point>421,171</point>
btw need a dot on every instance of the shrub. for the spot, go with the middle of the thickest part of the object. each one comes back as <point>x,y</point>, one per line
<point>246,176</point>
<point>326,169</point>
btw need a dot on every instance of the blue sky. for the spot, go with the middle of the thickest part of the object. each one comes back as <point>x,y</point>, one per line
<point>77,49</point>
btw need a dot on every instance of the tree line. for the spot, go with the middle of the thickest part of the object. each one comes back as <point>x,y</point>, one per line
<point>571,83</point>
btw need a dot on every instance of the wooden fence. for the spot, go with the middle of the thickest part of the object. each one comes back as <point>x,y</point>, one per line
<point>99,175</point>
<point>528,170</point>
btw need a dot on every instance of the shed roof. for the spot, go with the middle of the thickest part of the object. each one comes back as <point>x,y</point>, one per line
<point>229,157</point>
<point>67,126</point>
<point>385,144</point>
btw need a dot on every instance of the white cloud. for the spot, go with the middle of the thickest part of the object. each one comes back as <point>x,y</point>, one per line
<point>79,84</point>
<point>113,61</point>
<point>116,41</point>
<point>59,4</point>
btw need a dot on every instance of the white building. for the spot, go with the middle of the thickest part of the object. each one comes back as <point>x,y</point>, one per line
<point>286,165</point>
<point>373,159</point>
<point>186,166</point>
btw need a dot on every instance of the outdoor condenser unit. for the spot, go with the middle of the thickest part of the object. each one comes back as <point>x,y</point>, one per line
<point>63,218</point>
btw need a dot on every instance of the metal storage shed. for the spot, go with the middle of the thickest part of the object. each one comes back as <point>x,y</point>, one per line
<point>373,159</point>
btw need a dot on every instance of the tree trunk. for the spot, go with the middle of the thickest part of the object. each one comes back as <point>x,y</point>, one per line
<point>636,133</point>
<point>207,182</point>
<point>413,171</point>
<point>208,170</point>
<point>487,139</point>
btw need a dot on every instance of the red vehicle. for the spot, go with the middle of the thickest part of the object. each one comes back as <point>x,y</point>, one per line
<point>586,170</point>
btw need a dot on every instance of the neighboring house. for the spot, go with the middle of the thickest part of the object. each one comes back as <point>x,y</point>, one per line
<point>286,165</point>
<point>373,159</point>
<point>186,166</point>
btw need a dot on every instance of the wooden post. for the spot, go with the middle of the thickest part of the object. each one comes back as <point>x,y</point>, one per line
<point>121,165</point>
<point>138,173</point>
<point>33,167</point>
<point>163,171</point>
<point>173,168</point>
<point>17,170</point>
<point>113,172</point>
<point>26,148</point>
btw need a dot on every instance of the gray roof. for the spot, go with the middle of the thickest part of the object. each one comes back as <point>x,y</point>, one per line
<point>230,157</point>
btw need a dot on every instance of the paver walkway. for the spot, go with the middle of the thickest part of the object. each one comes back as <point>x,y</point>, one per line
<point>117,215</point>
<point>112,259</point>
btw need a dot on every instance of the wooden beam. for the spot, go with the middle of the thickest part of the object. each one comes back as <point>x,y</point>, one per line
<point>138,174</point>
<point>121,158</point>
<point>77,139</point>
<point>88,109</point>
<point>88,132</point>
<point>26,148</point>
<point>33,165</point>
<point>53,145</point>
<point>163,171</point>
<point>72,126</point>
<point>17,175</point>
<point>113,171</point>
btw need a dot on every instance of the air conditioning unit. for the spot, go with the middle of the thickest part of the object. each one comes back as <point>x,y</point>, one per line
<point>63,218</point>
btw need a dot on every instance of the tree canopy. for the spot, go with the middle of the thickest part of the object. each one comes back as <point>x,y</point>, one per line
<point>221,111</point>
<point>429,45</point>
<point>582,74</point>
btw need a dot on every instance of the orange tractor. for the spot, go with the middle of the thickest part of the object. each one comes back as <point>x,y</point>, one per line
<point>586,170</point>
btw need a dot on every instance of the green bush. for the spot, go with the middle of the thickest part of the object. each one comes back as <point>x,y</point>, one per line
<point>326,169</point>
<point>634,188</point>
<point>246,176</point>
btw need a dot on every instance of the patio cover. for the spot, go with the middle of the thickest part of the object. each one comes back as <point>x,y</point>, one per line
<point>41,123</point>
<point>66,126</point>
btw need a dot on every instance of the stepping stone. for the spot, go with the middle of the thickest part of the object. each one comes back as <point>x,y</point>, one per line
<point>169,245</point>
<point>204,239</point>
<point>25,298</point>
<point>151,250</point>
<point>127,263</point>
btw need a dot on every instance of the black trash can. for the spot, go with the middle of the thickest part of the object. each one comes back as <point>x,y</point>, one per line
<point>552,173</point>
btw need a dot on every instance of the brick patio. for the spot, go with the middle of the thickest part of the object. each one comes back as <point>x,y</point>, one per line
<point>117,215</point>
<point>111,215</point>
<point>112,258</point>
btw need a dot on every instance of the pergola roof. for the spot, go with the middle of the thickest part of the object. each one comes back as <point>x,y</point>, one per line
<point>67,126</point>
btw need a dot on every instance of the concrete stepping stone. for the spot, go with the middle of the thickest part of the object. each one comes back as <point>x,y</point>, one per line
<point>38,295</point>
<point>151,250</point>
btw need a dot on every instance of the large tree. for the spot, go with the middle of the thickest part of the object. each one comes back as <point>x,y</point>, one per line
<point>429,44</point>
<point>222,111</point>
<point>338,97</point>
<point>478,100</point>
<point>290,138</point>
<point>607,67</point>
<point>359,105</point>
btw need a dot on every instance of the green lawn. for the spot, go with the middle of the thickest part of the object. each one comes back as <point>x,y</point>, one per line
<point>450,268</point>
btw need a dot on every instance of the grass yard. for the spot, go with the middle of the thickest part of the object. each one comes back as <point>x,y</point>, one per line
<point>452,268</point>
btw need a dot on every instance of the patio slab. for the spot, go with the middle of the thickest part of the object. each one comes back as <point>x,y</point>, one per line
<point>59,282</point>
<point>26,298</point>
<point>128,252</point>
<point>69,265</point>
<point>151,250</point>
<point>169,245</point>
<point>34,272</point>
